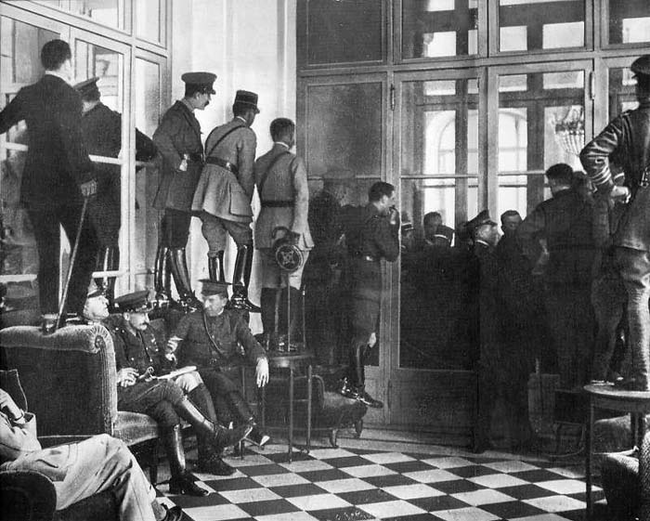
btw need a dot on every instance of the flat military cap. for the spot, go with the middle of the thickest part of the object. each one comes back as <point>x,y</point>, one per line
<point>88,88</point>
<point>136,302</point>
<point>245,97</point>
<point>641,65</point>
<point>210,287</point>
<point>202,80</point>
<point>444,232</point>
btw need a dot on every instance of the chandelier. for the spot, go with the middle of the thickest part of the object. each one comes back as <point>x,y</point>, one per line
<point>570,130</point>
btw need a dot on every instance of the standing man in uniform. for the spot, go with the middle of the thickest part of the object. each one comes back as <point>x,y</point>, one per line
<point>224,193</point>
<point>57,177</point>
<point>625,142</point>
<point>372,234</point>
<point>281,179</point>
<point>102,133</point>
<point>178,138</point>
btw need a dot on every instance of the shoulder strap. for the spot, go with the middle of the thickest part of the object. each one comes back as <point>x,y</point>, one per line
<point>221,139</point>
<point>265,175</point>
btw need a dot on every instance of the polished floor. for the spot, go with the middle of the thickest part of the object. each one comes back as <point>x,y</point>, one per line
<point>365,479</point>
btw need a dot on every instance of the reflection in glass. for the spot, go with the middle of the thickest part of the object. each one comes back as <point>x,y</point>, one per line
<point>106,12</point>
<point>629,22</point>
<point>147,16</point>
<point>437,28</point>
<point>341,31</point>
<point>622,95</point>
<point>526,25</point>
<point>92,60</point>
<point>344,128</point>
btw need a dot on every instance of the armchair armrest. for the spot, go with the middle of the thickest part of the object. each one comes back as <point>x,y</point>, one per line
<point>26,495</point>
<point>69,377</point>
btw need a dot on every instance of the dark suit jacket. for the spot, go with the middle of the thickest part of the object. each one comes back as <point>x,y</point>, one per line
<point>57,162</point>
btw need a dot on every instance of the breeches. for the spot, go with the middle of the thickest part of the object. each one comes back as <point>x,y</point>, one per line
<point>175,228</point>
<point>216,230</point>
<point>155,398</point>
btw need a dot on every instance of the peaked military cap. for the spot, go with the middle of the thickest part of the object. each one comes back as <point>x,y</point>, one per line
<point>88,87</point>
<point>202,80</point>
<point>481,219</point>
<point>136,302</point>
<point>94,290</point>
<point>245,97</point>
<point>641,65</point>
<point>445,232</point>
<point>210,287</point>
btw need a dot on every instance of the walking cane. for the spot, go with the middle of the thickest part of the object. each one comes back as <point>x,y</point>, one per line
<point>61,320</point>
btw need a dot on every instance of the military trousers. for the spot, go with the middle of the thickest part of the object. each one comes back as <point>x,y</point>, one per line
<point>216,231</point>
<point>157,398</point>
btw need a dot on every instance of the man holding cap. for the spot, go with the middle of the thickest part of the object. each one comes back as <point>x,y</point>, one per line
<point>178,138</point>
<point>102,134</point>
<point>137,346</point>
<point>625,142</point>
<point>223,196</point>
<point>212,340</point>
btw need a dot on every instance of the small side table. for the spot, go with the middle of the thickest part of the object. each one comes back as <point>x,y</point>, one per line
<point>292,361</point>
<point>613,399</point>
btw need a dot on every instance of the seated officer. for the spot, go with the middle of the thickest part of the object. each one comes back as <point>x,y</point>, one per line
<point>137,346</point>
<point>79,470</point>
<point>163,400</point>
<point>212,340</point>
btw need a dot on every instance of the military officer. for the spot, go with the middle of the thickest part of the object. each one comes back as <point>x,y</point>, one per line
<point>281,179</point>
<point>372,235</point>
<point>138,390</point>
<point>178,139</point>
<point>223,196</point>
<point>625,143</point>
<point>212,340</point>
<point>138,346</point>
<point>102,133</point>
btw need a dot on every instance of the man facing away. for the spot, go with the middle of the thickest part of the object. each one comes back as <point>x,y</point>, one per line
<point>57,176</point>
<point>281,179</point>
<point>178,139</point>
<point>625,142</point>
<point>223,196</point>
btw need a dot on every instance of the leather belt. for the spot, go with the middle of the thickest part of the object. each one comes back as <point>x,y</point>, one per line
<point>222,163</point>
<point>277,204</point>
<point>197,157</point>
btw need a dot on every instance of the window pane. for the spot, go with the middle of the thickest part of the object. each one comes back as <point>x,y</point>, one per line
<point>337,140</point>
<point>147,17</point>
<point>541,24</point>
<point>629,22</point>
<point>622,94</point>
<point>538,127</point>
<point>106,12</point>
<point>344,31</point>
<point>435,28</point>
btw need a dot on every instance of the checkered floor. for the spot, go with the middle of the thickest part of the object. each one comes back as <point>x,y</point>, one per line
<point>355,484</point>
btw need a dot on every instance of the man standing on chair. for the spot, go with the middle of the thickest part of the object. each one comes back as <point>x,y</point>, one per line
<point>281,179</point>
<point>372,234</point>
<point>223,196</point>
<point>178,138</point>
<point>625,142</point>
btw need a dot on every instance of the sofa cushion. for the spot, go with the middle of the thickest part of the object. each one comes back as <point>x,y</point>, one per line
<point>133,428</point>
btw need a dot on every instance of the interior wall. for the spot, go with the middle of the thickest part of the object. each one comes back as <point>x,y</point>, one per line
<point>249,45</point>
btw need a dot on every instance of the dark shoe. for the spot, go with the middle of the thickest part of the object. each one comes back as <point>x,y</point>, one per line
<point>228,437</point>
<point>239,300</point>
<point>348,390</point>
<point>172,514</point>
<point>216,465</point>
<point>368,400</point>
<point>184,484</point>
<point>258,437</point>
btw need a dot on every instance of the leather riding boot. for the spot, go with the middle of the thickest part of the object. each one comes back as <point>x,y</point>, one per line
<point>243,413</point>
<point>215,268</point>
<point>219,436</point>
<point>162,276</point>
<point>180,271</point>
<point>180,482</point>
<point>108,259</point>
<point>269,312</point>
<point>295,316</point>
<point>210,460</point>
<point>241,280</point>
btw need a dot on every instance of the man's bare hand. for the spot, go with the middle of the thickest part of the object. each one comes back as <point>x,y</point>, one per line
<point>619,194</point>
<point>8,405</point>
<point>127,376</point>
<point>262,372</point>
<point>89,188</point>
<point>172,344</point>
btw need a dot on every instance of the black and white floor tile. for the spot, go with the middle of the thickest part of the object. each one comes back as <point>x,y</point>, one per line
<point>347,484</point>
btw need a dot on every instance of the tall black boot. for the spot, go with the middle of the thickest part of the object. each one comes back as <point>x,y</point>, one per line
<point>162,276</point>
<point>294,327</point>
<point>241,280</point>
<point>181,482</point>
<point>108,259</point>
<point>209,457</point>
<point>181,273</point>
<point>219,436</point>
<point>215,268</point>
<point>269,303</point>
<point>242,411</point>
